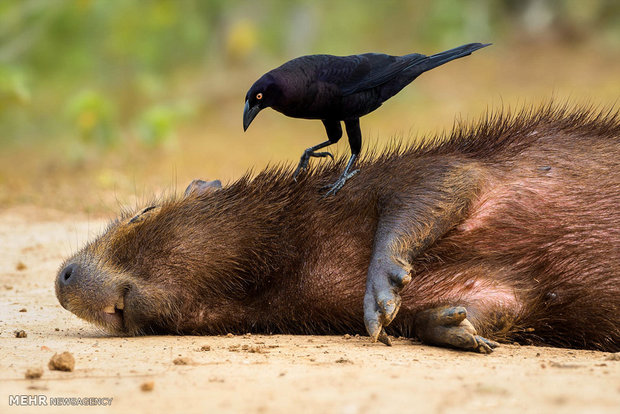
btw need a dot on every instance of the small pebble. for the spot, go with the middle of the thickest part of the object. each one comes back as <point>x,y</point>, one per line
<point>34,373</point>
<point>62,362</point>
<point>147,386</point>
<point>181,361</point>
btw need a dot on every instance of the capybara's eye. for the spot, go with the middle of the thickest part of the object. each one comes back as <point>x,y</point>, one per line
<point>148,209</point>
<point>139,217</point>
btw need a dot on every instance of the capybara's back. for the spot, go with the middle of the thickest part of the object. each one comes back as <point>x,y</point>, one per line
<point>509,230</point>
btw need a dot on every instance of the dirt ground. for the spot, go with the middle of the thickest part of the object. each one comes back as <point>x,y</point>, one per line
<point>258,373</point>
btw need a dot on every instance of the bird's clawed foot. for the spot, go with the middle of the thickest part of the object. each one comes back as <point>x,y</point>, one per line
<point>305,158</point>
<point>448,326</point>
<point>335,187</point>
<point>387,277</point>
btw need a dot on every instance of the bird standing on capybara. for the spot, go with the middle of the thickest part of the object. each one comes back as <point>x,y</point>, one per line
<point>340,88</point>
<point>507,231</point>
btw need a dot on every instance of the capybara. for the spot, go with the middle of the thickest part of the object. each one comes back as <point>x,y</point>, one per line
<point>507,229</point>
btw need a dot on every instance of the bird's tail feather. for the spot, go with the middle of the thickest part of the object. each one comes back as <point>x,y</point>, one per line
<point>458,52</point>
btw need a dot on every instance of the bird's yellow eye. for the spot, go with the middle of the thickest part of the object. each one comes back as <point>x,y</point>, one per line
<point>259,96</point>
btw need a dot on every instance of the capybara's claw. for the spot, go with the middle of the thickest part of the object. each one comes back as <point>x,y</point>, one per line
<point>384,338</point>
<point>490,343</point>
<point>377,333</point>
<point>371,318</point>
<point>448,326</point>
<point>386,278</point>
<point>485,346</point>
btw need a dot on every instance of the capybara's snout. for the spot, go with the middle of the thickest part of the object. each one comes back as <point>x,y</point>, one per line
<point>88,291</point>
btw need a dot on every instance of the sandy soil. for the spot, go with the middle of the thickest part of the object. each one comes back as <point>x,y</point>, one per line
<point>256,373</point>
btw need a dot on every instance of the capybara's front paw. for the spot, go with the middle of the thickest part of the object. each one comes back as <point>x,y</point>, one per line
<point>448,326</point>
<point>386,278</point>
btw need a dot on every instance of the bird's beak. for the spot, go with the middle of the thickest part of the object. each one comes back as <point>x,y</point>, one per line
<point>249,113</point>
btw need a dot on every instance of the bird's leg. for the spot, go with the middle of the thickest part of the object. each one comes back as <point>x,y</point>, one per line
<point>334,132</point>
<point>333,188</point>
<point>355,142</point>
<point>310,152</point>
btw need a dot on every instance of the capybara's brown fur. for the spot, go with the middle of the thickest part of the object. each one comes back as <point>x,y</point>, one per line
<point>516,218</point>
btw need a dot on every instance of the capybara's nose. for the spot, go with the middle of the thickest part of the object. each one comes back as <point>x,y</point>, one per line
<point>68,275</point>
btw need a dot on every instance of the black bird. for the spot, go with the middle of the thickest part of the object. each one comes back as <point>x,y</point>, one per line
<point>339,88</point>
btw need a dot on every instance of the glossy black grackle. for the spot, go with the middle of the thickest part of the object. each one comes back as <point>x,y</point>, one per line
<point>339,88</point>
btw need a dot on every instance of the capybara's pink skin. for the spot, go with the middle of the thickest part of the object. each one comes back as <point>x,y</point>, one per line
<point>512,222</point>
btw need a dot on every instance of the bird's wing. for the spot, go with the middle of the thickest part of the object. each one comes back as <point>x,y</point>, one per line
<point>372,69</point>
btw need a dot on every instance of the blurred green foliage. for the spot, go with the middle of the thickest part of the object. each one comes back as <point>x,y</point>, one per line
<point>93,117</point>
<point>98,70</point>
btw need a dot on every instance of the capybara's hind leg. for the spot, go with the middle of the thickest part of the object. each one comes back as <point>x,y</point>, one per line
<point>448,326</point>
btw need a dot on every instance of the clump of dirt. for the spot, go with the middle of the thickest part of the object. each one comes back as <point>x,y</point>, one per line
<point>20,266</point>
<point>555,364</point>
<point>205,348</point>
<point>147,386</point>
<point>216,379</point>
<point>182,361</point>
<point>62,362</point>
<point>254,349</point>
<point>34,373</point>
<point>21,334</point>
<point>23,310</point>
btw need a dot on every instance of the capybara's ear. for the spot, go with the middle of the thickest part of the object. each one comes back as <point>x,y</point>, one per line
<point>197,187</point>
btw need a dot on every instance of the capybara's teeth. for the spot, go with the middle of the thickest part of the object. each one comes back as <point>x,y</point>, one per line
<point>120,304</point>
<point>109,309</point>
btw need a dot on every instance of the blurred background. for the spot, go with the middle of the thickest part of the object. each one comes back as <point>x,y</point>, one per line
<point>107,102</point>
